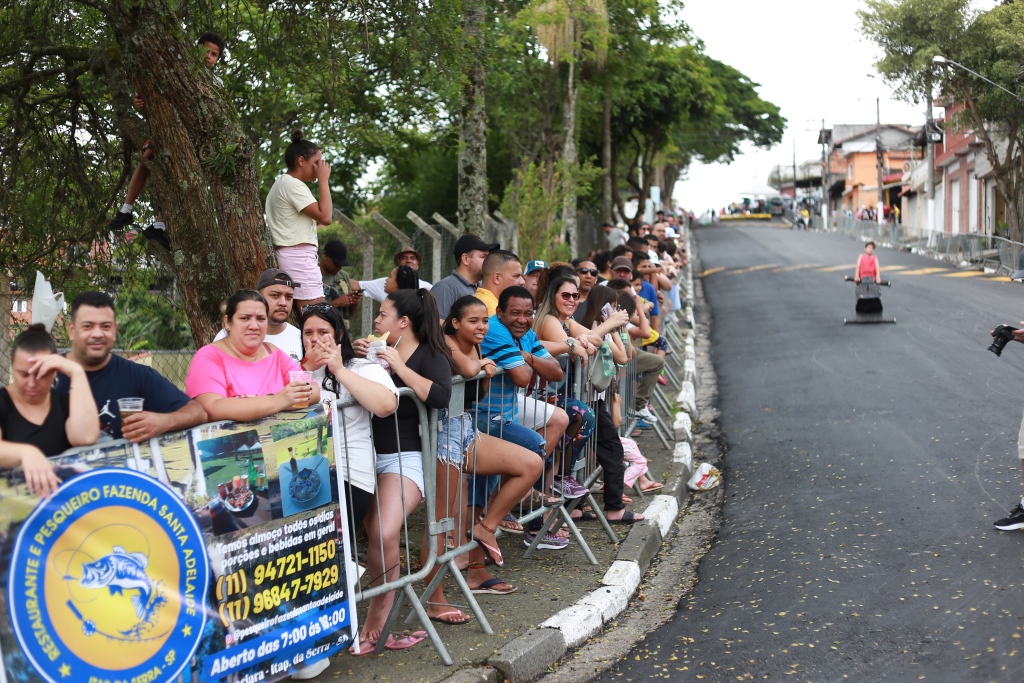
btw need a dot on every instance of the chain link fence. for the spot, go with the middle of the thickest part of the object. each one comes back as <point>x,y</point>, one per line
<point>153,328</point>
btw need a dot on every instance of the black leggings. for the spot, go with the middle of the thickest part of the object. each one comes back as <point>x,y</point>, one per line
<point>611,458</point>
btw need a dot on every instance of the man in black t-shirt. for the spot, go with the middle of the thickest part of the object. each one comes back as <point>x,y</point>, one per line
<point>92,331</point>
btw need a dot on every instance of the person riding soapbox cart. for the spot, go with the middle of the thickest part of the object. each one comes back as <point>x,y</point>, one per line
<point>869,302</point>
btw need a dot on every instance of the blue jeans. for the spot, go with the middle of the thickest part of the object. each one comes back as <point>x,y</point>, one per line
<point>482,488</point>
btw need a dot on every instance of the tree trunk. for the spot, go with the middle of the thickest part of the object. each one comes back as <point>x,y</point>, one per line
<point>202,174</point>
<point>606,159</point>
<point>569,152</point>
<point>473,125</point>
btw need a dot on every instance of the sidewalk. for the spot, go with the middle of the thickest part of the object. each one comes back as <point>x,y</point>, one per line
<point>562,599</point>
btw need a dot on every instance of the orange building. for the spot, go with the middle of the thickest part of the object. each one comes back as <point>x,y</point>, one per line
<point>859,151</point>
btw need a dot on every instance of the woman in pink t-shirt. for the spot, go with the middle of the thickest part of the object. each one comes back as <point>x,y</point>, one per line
<point>242,377</point>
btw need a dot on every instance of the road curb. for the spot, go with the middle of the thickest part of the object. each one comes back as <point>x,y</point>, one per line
<point>530,655</point>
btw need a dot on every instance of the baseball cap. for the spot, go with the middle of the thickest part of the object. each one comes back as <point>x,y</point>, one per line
<point>1019,273</point>
<point>275,276</point>
<point>408,250</point>
<point>337,252</point>
<point>622,262</point>
<point>534,266</point>
<point>468,243</point>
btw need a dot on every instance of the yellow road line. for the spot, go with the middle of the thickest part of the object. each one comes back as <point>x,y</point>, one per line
<point>751,269</point>
<point>965,273</point>
<point>924,271</point>
<point>1001,278</point>
<point>799,267</point>
<point>832,269</point>
<point>711,271</point>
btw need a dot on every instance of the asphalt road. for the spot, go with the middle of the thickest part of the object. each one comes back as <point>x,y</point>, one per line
<point>864,468</point>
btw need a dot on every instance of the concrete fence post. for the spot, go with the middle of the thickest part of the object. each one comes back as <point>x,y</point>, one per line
<point>446,224</point>
<point>367,240</point>
<point>435,238</point>
<point>403,239</point>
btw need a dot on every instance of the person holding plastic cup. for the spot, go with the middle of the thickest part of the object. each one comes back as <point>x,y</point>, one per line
<point>242,376</point>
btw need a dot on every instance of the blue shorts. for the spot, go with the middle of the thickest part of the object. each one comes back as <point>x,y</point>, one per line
<point>454,437</point>
<point>482,488</point>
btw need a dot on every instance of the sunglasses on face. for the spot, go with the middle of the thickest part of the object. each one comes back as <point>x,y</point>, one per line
<point>587,271</point>
<point>574,296</point>
<point>319,308</point>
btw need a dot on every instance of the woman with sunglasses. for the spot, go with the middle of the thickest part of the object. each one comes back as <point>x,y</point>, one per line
<point>566,339</point>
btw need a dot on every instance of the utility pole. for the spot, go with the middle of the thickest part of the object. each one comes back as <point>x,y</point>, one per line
<point>794,174</point>
<point>929,185</point>
<point>879,154</point>
<point>823,207</point>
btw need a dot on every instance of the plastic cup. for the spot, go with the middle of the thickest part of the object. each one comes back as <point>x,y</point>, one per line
<point>129,406</point>
<point>301,376</point>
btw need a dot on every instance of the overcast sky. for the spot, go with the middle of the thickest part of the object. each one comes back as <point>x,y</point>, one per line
<point>811,61</point>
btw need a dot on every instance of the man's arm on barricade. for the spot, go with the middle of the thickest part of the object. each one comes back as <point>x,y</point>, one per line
<point>147,425</point>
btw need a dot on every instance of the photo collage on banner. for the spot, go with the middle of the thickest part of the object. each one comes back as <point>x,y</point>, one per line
<point>214,554</point>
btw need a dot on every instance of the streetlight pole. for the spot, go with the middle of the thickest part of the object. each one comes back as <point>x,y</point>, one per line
<point>879,154</point>
<point>939,59</point>
<point>929,185</point>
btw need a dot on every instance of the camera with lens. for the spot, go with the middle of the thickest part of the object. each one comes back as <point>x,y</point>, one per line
<point>1000,336</point>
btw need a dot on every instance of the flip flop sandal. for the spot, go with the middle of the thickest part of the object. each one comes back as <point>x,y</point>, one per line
<point>656,486</point>
<point>488,587</point>
<point>584,516</point>
<point>491,551</point>
<point>453,618</point>
<point>366,647</point>
<point>510,525</point>
<point>405,640</point>
<point>627,518</point>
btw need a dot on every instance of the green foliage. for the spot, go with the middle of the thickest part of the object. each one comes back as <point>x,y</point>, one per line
<point>911,33</point>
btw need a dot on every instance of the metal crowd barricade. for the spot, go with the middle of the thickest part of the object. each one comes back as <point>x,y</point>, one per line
<point>403,585</point>
<point>447,517</point>
<point>454,528</point>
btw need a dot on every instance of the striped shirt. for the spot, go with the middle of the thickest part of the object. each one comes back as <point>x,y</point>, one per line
<point>505,350</point>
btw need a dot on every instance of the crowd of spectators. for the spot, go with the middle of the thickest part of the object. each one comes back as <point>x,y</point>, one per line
<point>514,325</point>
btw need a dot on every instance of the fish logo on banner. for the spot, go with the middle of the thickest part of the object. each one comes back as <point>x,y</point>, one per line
<point>108,580</point>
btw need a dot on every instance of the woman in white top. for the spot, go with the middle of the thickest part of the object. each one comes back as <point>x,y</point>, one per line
<point>293,214</point>
<point>342,377</point>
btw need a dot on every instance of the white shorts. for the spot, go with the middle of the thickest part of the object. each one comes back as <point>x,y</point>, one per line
<point>300,262</point>
<point>533,414</point>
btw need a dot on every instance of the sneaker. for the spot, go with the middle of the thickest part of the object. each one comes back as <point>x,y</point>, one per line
<point>312,671</point>
<point>569,488</point>
<point>121,219</point>
<point>1013,521</point>
<point>549,542</point>
<point>157,235</point>
<point>643,424</point>
<point>646,415</point>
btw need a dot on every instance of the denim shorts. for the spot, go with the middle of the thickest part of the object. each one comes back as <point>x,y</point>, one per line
<point>409,464</point>
<point>454,437</point>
